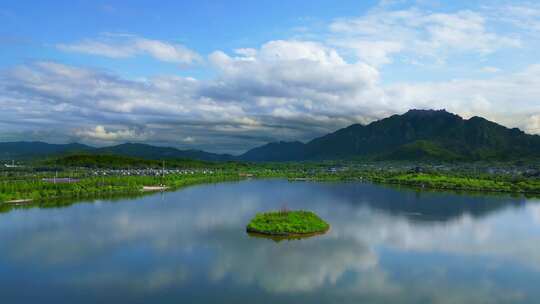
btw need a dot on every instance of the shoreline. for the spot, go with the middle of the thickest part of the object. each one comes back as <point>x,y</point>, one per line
<point>424,185</point>
<point>288,224</point>
<point>421,188</point>
<point>29,202</point>
<point>417,182</point>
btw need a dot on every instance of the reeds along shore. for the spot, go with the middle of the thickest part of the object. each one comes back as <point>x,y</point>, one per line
<point>36,190</point>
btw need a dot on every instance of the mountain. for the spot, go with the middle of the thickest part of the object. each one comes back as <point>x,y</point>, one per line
<point>33,149</point>
<point>415,135</point>
<point>153,152</point>
<point>278,151</point>
<point>29,150</point>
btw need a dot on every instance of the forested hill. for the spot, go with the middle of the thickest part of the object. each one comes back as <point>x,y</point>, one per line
<point>32,150</point>
<point>415,135</point>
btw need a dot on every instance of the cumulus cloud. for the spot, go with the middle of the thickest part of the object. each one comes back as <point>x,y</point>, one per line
<point>533,124</point>
<point>277,92</point>
<point>73,100</point>
<point>125,46</point>
<point>293,89</point>
<point>510,99</point>
<point>101,134</point>
<point>295,80</point>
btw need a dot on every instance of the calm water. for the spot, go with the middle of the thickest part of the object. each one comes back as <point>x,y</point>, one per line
<point>385,246</point>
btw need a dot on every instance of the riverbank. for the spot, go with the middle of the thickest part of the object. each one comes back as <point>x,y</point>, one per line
<point>439,182</point>
<point>38,190</point>
<point>434,181</point>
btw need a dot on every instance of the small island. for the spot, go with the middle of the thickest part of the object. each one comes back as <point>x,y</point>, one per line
<point>287,223</point>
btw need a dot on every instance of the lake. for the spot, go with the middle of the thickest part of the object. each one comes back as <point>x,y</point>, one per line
<point>386,245</point>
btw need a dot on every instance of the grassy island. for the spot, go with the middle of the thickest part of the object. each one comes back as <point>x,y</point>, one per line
<point>287,223</point>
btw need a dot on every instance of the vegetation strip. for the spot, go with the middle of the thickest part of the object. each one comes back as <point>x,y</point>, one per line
<point>39,190</point>
<point>83,176</point>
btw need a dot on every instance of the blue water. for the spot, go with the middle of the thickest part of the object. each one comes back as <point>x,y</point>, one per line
<point>386,245</point>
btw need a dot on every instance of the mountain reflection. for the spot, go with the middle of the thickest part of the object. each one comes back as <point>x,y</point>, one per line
<point>385,245</point>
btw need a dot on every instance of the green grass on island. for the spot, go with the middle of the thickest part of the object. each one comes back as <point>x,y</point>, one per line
<point>287,223</point>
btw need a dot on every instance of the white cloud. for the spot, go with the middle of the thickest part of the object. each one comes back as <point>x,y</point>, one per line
<point>419,33</point>
<point>511,99</point>
<point>294,79</point>
<point>125,46</point>
<point>47,95</point>
<point>373,52</point>
<point>533,124</point>
<point>100,133</point>
<point>283,89</point>
<point>188,139</point>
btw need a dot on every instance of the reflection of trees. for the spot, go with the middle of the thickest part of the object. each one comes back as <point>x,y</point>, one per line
<point>399,200</point>
<point>430,205</point>
<point>66,202</point>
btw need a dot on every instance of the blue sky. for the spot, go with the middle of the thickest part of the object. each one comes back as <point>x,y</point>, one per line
<point>205,26</point>
<point>226,76</point>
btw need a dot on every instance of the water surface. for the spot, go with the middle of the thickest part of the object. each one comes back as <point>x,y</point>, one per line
<point>386,245</point>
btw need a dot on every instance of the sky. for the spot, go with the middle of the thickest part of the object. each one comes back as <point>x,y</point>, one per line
<point>227,76</point>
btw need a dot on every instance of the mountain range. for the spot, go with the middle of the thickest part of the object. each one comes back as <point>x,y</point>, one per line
<point>415,135</point>
<point>30,150</point>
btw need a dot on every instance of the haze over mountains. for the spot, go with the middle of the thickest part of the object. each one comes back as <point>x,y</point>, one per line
<point>415,135</point>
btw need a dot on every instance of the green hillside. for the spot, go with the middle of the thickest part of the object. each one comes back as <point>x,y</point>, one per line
<point>415,135</point>
<point>123,162</point>
<point>37,150</point>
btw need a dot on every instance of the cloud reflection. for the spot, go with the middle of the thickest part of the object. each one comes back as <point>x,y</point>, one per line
<point>151,244</point>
